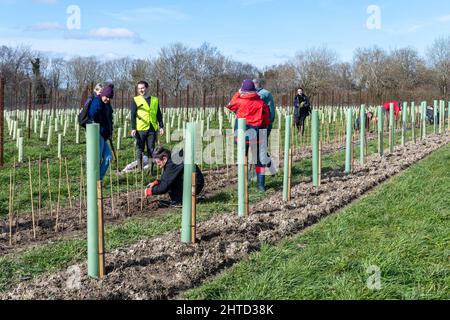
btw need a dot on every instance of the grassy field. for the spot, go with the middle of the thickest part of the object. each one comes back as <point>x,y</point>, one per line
<point>57,255</point>
<point>398,234</point>
<point>35,148</point>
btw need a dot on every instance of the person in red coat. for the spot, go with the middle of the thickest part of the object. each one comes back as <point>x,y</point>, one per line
<point>387,107</point>
<point>248,105</point>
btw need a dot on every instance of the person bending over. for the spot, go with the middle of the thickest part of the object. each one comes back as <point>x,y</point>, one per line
<point>172,178</point>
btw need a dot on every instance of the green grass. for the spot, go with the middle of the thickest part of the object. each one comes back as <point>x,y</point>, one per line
<point>401,227</point>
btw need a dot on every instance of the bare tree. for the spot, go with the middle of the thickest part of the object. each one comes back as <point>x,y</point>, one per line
<point>119,72</point>
<point>315,69</point>
<point>172,67</point>
<point>370,69</point>
<point>439,58</point>
<point>207,68</point>
<point>82,71</point>
<point>280,78</point>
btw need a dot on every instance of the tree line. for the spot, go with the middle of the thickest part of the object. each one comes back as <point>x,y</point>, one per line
<point>185,74</point>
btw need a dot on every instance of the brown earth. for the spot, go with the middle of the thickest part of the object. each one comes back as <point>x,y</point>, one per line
<point>163,268</point>
<point>72,222</point>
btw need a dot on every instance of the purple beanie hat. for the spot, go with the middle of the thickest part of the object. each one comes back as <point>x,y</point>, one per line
<point>248,86</point>
<point>108,91</point>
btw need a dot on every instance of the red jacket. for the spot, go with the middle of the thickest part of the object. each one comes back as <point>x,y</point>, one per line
<point>387,106</point>
<point>250,107</point>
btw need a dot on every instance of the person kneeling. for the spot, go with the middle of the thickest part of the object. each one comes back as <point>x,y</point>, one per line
<point>172,178</point>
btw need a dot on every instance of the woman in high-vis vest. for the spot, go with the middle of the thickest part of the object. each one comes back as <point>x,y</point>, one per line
<point>146,121</point>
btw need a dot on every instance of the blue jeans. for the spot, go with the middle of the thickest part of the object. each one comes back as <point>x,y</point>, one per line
<point>105,157</point>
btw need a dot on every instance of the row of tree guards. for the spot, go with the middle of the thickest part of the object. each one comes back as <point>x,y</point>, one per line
<point>188,228</point>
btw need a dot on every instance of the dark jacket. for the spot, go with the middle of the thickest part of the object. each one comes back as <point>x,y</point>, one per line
<point>102,114</point>
<point>159,116</point>
<point>172,181</point>
<point>299,110</point>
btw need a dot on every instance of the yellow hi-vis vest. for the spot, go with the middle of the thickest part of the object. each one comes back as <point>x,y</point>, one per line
<point>146,114</point>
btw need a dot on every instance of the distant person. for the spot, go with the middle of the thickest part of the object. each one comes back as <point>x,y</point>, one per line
<point>101,112</point>
<point>146,121</point>
<point>369,120</point>
<point>248,105</point>
<point>302,109</point>
<point>387,107</point>
<point>171,179</point>
<point>267,97</point>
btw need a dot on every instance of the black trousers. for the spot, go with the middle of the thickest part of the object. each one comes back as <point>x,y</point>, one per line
<point>145,139</point>
<point>300,123</point>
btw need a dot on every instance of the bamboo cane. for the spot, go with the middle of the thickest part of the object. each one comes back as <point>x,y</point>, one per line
<point>101,249</point>
<point>14,191</point>
<point>40,186</point>
<point>194,210</point>
<point>10,206</point>
<point>31,198</point>
<point>289,175</point>
<point>142,190</point>
<point>49,189</point>
<point>319,171</point>
<point>59,195</point>
<point>111,188</point>
<point>117,180</point>
<point>68,184</point>
<point>128,196</point>
<point>81,188</point>
<point>247,213</point>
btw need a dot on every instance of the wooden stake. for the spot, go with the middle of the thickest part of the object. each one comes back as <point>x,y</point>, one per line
<point>352,151</point>
<point>68,184</point>
<point>59,195</point>
<point>319,173</point>
<point>289,175</point>
<point>111,187</point>
<point>10,206</point>
<point>117,180</point>
<point>194,210</point>
<point>13,190</point>
<point>128,196</point>
<point>40,186</point>
<point>49,189</point>
<point>247,213</point>
<point>142,189</point>
<point>81,188</point>
<point>101,246</point>
<point>31,198</point>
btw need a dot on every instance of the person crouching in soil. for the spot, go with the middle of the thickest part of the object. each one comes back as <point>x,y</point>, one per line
<point>172,178</point>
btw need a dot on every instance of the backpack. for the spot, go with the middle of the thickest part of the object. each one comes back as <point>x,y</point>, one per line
<point>83,116</point>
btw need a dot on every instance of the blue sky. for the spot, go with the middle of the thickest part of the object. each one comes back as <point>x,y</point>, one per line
<point>263,32</point>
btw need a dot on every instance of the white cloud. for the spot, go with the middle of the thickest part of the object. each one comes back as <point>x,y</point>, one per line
<point>443,18</point>
<point>112,33</point>
<point>82,47</point>
<point>45,26</point>
<point>104,34</point>
<point>150,14</point>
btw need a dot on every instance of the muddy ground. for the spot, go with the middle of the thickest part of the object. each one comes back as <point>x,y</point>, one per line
<point>72,222</point>
<point>163,268</point>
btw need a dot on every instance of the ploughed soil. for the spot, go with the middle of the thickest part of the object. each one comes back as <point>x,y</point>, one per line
<point>71,222</point>
<point>163,267</point>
